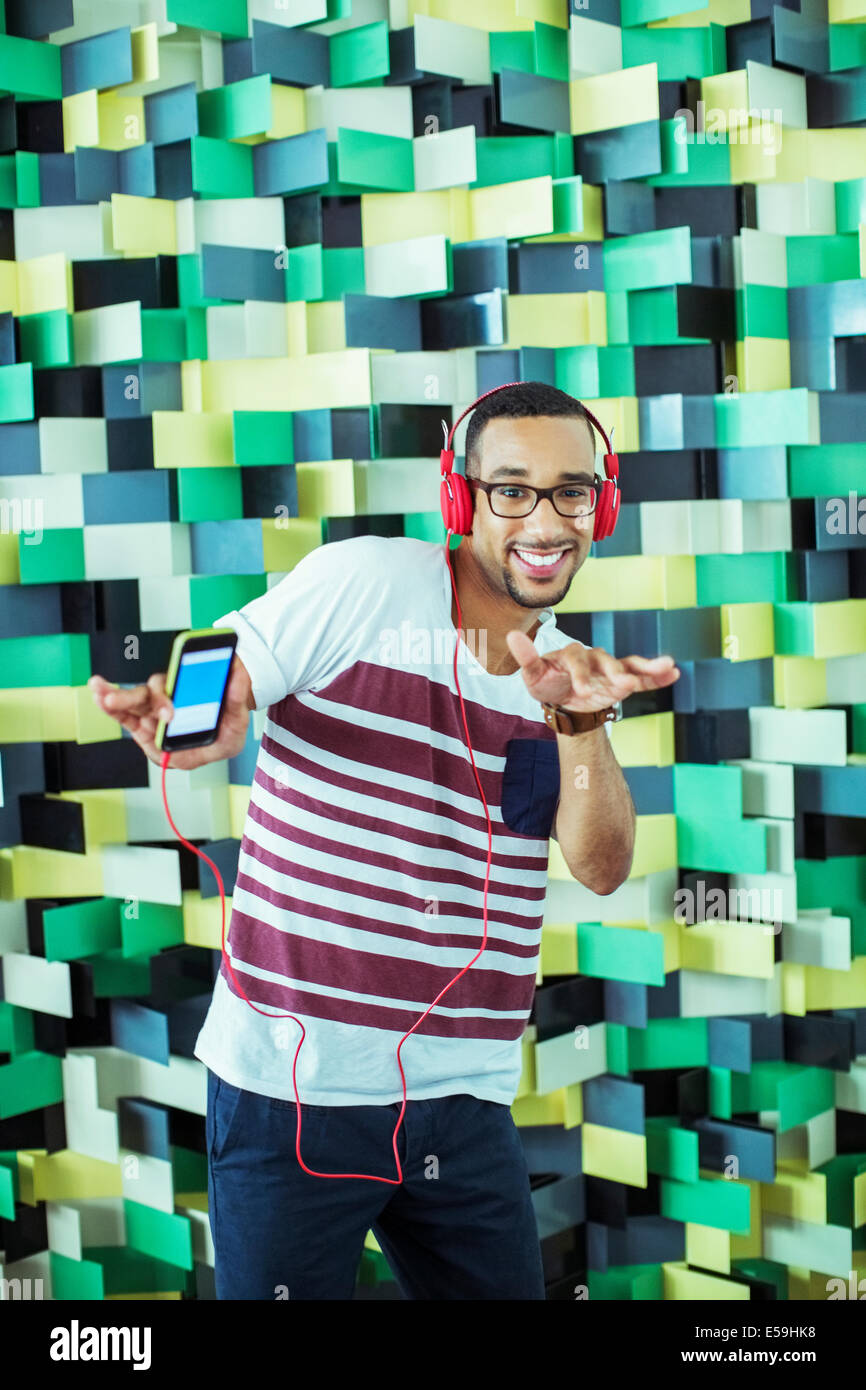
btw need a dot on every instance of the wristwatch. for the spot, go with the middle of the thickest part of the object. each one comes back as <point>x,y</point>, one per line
<point>569,721</point>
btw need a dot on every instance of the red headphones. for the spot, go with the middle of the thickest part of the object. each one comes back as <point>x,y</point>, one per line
<point>455,494</point>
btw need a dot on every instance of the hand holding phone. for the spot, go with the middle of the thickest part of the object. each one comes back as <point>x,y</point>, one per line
<point>149,713</point>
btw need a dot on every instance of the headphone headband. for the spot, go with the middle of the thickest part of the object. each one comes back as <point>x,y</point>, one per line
<point>449,434</point>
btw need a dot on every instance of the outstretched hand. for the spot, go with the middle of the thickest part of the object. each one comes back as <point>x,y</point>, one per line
<point>587,678</point>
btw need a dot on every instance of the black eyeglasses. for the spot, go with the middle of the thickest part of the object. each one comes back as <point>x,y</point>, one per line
<point>573,500</point>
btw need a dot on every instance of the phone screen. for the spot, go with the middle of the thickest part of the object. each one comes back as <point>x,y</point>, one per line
<point>198,691</point>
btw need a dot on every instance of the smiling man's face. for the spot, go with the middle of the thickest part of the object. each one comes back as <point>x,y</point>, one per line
<point>534,558</point>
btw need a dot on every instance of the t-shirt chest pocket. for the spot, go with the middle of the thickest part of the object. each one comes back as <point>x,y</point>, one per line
<point>530,786</point>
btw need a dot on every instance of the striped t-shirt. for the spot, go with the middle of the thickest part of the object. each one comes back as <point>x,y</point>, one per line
<point>360,880</point>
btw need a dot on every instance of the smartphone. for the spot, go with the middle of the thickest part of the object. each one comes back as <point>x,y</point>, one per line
<point>196,681</point>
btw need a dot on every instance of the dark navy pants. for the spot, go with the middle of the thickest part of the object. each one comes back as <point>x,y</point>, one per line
<point>460,1225</point>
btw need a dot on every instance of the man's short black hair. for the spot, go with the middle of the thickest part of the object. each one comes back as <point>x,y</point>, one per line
<point>522,399</point>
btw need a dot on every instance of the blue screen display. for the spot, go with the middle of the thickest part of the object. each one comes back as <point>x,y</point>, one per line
<point>198,690</point>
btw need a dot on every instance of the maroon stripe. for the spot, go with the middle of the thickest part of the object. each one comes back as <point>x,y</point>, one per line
<point>396,1021</point>
<point>398,930</point>
<point>383,689</point>
<point>392,795</point>
<point>325,963</point>
<point>398,863</point>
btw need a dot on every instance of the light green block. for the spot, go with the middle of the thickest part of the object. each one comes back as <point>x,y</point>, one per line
<point>375,161</point>
<point>722,846</point>
<point>698,787</point>
<point>211,595</point>
<point>209,494</point>
<point>720,1203</point>
<point>29,1082</point>
<point>161,1234</point>
<point>756,577</point>
<point>360,55</point>
<point>61,658</point>
<point>668,1042</point>
<point>263,437</point>
<point>46,339</point>
<point>620,953</point>
<point>81,929</point>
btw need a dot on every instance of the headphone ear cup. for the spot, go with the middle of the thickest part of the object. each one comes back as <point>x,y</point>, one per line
<point>456,506</point>
<point>602,509</point>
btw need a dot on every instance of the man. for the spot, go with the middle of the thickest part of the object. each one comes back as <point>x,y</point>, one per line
<point>361,876</point>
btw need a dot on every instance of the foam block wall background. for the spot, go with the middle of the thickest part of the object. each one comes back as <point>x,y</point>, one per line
<point>251,254</point>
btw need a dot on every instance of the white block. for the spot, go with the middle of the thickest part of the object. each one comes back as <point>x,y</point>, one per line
<point>91,1127</point>
<point>73,444</point>
<point>257,223</point>
<point>780,844</point>
<point>768,788</point>
<point>559,1063</point>
<point>648,899</point>
<point>33,501</point>
<point>13,925</point>
<point>147,1180</point>
<point>109,334</point>
<point>139,871</point>
<point>779,94</point>
<point>818,938</point>
<point>760,258</point>
<point>379,110</point>
<point>807,208</point>
<point>385,486</point>
<point>78,231</point>
<point>779,890</point>
<point>33,983</point>
<point>710,994</point>
<point>804,737</point>
<point>426,378</point>
<point>201,815</point>
<point>846,679</point>
<point>444,159</point>
<point>418,265</point>
<point>454,50</point>
<point>130,551</point>
<point>593,47</point>
<point>766,525</point>
<point>825,1249</point>
<point>164,603</point>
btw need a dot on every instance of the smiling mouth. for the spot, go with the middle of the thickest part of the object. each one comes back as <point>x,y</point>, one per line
<point>541,564</point>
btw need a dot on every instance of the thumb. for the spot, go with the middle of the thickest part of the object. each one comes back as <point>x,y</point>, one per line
<point>523,650</point>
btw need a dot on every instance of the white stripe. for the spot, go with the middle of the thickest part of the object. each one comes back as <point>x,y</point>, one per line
<point>353,996</point>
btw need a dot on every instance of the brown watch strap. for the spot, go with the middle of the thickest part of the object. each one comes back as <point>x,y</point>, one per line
<point>568,721</point>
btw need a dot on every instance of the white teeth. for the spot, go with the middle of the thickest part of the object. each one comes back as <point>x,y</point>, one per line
<point>540,561</point>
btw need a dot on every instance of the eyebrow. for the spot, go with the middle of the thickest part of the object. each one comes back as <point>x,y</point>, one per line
<point>506,472</point>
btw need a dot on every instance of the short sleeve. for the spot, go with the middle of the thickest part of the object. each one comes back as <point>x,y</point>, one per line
<point>307,628</point>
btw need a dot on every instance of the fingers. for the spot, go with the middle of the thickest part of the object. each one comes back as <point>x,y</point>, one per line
<point>138,709</point>
<point>523,650</point>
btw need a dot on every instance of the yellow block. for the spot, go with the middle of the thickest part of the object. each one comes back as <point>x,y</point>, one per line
<point>620,414</point>
<point>613,1154</point>
<point>9,287</point>
<point>67,1175</point>
<point>284,545</point>
<point>325,380</point>
<point>617,98</point>
<point>326,326</point>
<point>747,631</point>
<point>644,741</point>
<point>799,682</point>
<point>544,11</point>
<point>847,12</point>
<point>632,581</point>
<point>26,1159</point>
<point>10,565</point>
<point>539,1110</point>
<point>527,1083</point>
<point>145,53</point>
<point>764,364</point>
<point>520,209</point>
<point>326,489</point>
<point>239,800</point>
<point>862,231</point>
<point>92,725</point>
<point>840,627</point>
<point>860,1199</point>
<point>836,989</point>
<point>559,948</point>
<point>831,155</point>
<point>191,386</point>
<point>104,814</point>
<point>288,116</point>
<point>716,12</point>
<point>793,988</point>
<point>573,1105</point>
<point>121,119</point>
<point>80,120</point>
<point>143,225</point>
<point>728,948</point>
<point>202,919</point>
<point>43,713</point>
<point>182,439</point>
<point>655,844</point>
<point>27,871</point>
<point>45,283</point>
<point>556,320</point>
<point>797,1194</point>
<point>399,216</point>
<point>690,1285</point>
<point>726,100</point>
<point>754,154</point>
<point>709,1247</point>
<point>164,1296</point>
<point>490,14</point>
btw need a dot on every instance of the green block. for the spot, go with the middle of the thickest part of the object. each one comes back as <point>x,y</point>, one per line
<point>671,1151</point>
<point>196,332</point>
<point>578,371</point>
<point>668,1042</point>
<point>161,1234</point>
<point>721,845</point>
<point>189,1169</point>
<point>762,311</point>
<point>840,884</point>
<point>211,595</point>
<point>263,437</point>
<point>723,1203</point>
<point>56,559</point>
<point>649,260</point>
<point>688,162</point>
<point>847,48</point>
<point>46,339</point>
<point>424,526</point>
<point>30,69</point>
<point>752,418</point>
<point>756,577</point>
<point>859,722</point>
<point>721,1092</point>
<point>75,1280</point>
<point>62,658</point>
<point>797,1092</point>
<point>825,470</point>
<point>679,53</point>
<point>239,109</point>
<point>568,204</point>
<point>114,975</point>
<point>146,928</point>
<point>30,1081</point>
<point>617,1049</point>
<point>839,1173</point>
<point>16,1029</point>
<point>653,318</point>
<point>504,158</point>
<point>126,1271</point>
<point>209,494</point>
<point>221,168</point>
<point>850,193</point>
<point>375,161</point>
<point>16,392</point>
<point>626,1284</point>
<point>766,1271</point>
<point>698,787</point>
<point>189,291</point>
<point>512,49</point>
<point>563,157</point>
<point>794,629</point>
<point>81,929</point>
<point>620,953</point>
<point>359,55</point>
<point>816,260</point>
<point>616,307</point>
<point>8,1185</point>
<point>551,52</point>
<point>342,271</point>
<point>304,273</point>
<point>163,335</point>
<point>223,16</point>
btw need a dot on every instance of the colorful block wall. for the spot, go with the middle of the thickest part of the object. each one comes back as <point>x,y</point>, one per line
<point>251,255</point>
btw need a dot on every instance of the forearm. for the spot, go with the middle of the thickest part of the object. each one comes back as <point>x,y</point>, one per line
<point>595,818</point>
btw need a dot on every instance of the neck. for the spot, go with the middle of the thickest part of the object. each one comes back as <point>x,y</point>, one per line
<point>487,613</point>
